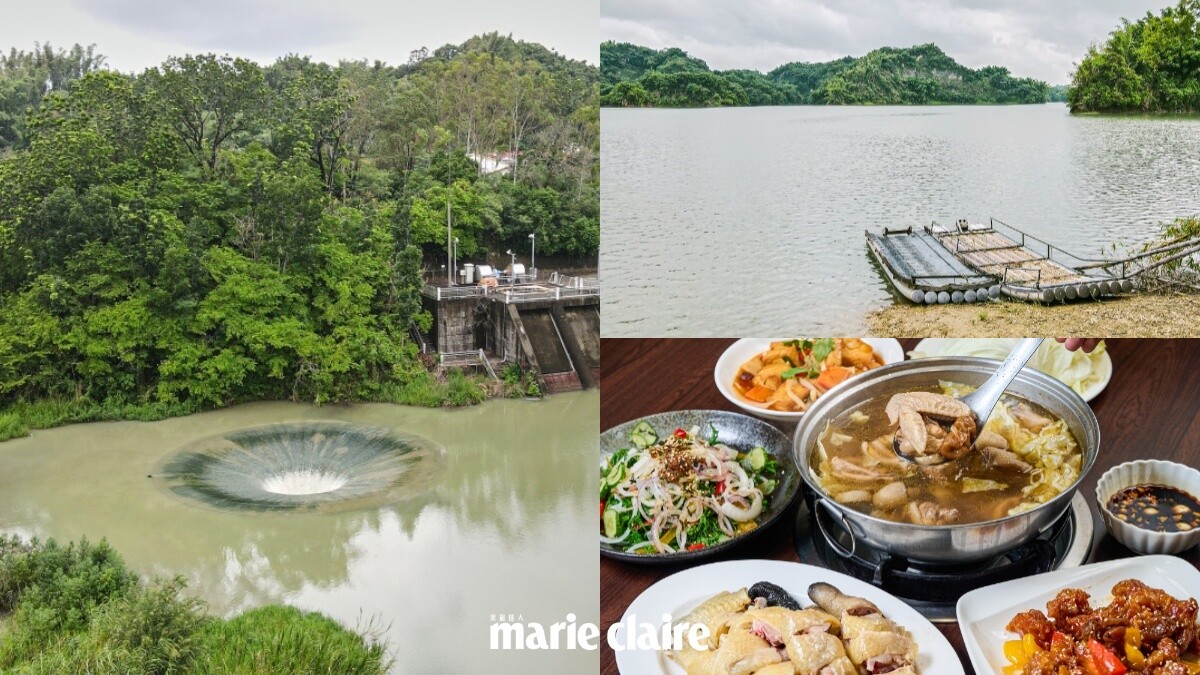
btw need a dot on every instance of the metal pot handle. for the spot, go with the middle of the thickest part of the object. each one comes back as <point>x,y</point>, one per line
<point>833,542</point>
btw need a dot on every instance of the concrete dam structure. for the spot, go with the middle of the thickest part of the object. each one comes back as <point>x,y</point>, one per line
<point>551,328</point>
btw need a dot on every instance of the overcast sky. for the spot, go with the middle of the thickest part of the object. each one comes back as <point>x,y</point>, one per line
<point>1032,38</point>
<point>136,34</point>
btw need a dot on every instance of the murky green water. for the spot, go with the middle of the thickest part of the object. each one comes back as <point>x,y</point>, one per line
<point>749,221</point>
<point>508,527</point>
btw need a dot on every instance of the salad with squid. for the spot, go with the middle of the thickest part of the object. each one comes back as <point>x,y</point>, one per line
<point>682,491</point>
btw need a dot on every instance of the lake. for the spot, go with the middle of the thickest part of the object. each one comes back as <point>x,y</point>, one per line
<point>744,221</point>
<point>508,525</point>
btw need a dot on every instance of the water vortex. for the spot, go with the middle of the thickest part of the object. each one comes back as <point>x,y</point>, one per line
<point>305,466</point>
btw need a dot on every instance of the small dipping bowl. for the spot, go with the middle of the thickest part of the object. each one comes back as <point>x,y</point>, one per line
<point>1147,472</point>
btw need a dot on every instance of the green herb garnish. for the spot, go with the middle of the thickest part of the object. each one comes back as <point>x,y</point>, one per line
<point>792,372</point>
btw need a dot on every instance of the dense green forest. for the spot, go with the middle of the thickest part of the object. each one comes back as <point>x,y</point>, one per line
<point>632,75</point>
<point>212,230</point>
<point>1058,93</point>
<point>1151,65</point>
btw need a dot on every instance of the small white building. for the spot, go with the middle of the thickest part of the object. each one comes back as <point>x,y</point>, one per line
<point>494,162</point>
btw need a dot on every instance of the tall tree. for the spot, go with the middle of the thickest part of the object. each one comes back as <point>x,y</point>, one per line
<point>209,100</point>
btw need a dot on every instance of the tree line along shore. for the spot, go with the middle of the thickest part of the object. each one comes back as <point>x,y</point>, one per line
<point>1144,66</point>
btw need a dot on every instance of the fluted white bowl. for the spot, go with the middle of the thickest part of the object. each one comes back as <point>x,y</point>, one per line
<point>1159,472</point>
<point>741,351</point>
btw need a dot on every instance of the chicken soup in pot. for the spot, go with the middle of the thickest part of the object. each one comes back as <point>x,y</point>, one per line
<point>956,473</point>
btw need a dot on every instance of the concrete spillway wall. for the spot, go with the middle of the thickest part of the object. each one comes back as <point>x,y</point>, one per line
<point>559,338</point>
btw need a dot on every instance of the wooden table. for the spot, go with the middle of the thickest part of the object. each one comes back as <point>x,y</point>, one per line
<point>1151,409</point>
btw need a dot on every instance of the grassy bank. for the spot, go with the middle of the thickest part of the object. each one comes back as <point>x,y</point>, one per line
<point>454,389</point>
<point>79,609</point>
<point>1164,315</point>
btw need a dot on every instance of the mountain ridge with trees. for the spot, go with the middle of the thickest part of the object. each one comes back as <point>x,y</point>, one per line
<point>636,76</point>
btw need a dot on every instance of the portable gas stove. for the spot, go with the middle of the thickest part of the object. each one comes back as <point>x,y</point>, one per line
<point>934,589</point>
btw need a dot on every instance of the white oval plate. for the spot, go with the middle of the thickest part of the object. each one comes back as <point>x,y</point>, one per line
<point>937,346</point>
<point>743,350</point>
<point>983,613</point>
<point>680,593</point>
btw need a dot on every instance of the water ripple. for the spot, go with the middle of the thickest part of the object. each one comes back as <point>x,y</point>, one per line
<point>747,221</point>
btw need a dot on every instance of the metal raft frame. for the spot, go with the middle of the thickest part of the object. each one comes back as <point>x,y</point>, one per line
<point>916,261</point>
<point>1023,266</point>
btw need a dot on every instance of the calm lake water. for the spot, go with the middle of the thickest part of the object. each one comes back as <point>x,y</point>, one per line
<point>508,526</point>
<point>742,221</point>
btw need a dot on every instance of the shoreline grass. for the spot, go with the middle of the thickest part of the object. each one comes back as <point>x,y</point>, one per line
<point>77,608</point>
<point>456,389</point>
<point>1170,315</point>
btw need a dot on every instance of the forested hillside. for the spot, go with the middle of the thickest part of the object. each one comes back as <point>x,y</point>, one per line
<point>638,76</point>
<point>1151,65</point>
<point>214,230</point>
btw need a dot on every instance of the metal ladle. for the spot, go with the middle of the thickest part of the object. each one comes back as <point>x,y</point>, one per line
<point>984,399</point>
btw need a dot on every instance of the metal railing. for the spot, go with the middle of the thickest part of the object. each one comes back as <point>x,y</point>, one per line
<point>1037,280</point>
<point>1071,260</point>
<point>471,358</point>
<point>455,292</point>
<point>518,296</point>
<point>568,281</point>
<point>511,294</point>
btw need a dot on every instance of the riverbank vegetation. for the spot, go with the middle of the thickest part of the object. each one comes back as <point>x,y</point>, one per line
<point>78,608</point>
<point>634,76</point>
<point>213,231</point>
<point>1151,65</point>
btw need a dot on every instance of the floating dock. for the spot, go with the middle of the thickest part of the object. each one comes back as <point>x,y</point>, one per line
<point>922,270</point>
<point>971,262</point>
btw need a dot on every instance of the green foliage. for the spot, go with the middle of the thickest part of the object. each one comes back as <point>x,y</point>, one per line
<point>152,630</point>
<point>1058,94</point>
<point>53,591</point>
<point>26,78</point>
<point>12,426</point>
<point>285,640</point>
<point>519,383</point>
<point>1151,65</point>
<point>212,231</point>
<point>77,609</point>
<point>923,75</point>
<point>806,77</point>
<point>637,76</point>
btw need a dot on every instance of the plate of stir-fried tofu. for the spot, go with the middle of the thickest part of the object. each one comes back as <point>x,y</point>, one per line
<point>765,617</point>
<point>779,378</point>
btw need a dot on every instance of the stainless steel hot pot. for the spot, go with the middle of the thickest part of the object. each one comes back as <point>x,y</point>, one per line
<point>943,544</point>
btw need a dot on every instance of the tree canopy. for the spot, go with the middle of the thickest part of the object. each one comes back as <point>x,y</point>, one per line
<point>632,75</point>
<point>1151,65</point>
<point>214,230</point>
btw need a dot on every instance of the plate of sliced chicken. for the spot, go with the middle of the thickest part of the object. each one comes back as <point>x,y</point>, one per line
<point>767,617</point>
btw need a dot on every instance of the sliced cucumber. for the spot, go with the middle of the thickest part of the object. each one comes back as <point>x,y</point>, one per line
<point>643,435</point>
<point>767,486</point>
<point>757,457</point>
<point>615,475</point>
<point>610,523</point>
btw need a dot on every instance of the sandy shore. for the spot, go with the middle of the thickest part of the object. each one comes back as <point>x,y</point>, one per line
<point>1139,315</point>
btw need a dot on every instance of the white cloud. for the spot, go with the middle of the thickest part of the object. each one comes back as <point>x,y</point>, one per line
<point>136,34</point>
<point>1032,38</point>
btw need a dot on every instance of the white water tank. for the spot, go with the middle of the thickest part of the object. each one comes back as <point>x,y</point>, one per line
<point>518,269</point>
<point>469,273</point>
<point>484,271</point>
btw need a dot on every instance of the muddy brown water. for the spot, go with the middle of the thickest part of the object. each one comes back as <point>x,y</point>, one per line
<point>507,528</point>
